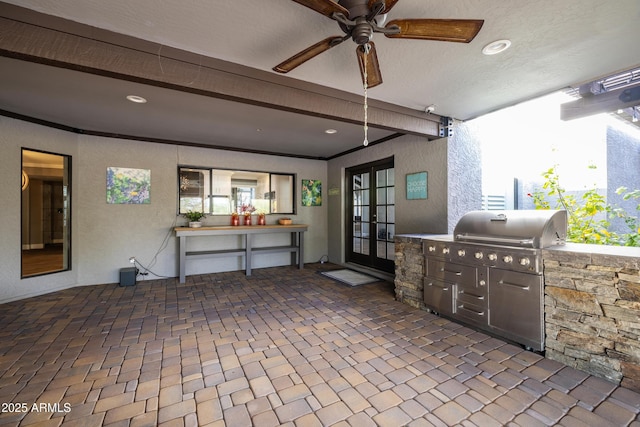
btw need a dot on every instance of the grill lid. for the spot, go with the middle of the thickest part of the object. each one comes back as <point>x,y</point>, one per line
<point>522,228</point>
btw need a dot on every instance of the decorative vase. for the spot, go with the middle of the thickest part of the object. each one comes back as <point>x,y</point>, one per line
<point>262,220</point>
<point>235,221</point>
<point>195,224</point>
<point>247,220</point>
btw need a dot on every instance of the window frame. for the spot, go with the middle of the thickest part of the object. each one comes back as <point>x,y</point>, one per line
<point>209,194</point>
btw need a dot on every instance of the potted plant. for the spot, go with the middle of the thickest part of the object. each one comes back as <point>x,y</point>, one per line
<point>194,218</point>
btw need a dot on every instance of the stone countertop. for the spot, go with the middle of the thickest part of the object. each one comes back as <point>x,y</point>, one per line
<point>581,248</point>
<point>424,236</point>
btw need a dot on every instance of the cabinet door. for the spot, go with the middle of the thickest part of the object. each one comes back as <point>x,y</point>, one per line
<point>221,185</point>
<point>515,306</point>
<point>438,295</point>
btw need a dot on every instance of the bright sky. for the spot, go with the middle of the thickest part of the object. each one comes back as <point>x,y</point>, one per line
<point>525,140</point>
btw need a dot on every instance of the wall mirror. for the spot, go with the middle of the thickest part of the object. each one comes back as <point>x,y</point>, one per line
<point>46,213</point>
<point>222,191</point>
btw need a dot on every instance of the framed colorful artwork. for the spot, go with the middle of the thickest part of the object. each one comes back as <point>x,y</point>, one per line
<point>128,186</point>
<point>311,192</point>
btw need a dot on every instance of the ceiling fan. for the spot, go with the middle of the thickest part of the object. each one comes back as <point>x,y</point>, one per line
<point>359,19</point>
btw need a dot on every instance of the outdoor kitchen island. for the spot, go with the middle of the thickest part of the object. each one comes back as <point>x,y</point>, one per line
<point>591,304</point>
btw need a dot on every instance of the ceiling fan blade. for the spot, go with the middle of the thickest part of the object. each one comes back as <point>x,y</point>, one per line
<point>310,52</point>
<point>388,4</point>
<point>450,30</point>
<point>325,7</point>
<point>374,76</point>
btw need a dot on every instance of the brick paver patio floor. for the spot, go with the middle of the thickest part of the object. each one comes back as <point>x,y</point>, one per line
<point>281,347</point>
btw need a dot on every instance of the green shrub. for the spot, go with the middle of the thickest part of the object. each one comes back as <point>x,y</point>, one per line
<point>589,214</point>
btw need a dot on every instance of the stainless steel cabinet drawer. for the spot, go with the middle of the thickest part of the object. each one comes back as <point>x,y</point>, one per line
<point>475,314</point>
<point>449,272</point>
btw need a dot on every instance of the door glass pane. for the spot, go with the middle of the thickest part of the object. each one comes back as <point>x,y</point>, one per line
<point>365,247</point>
<point>365,213</point>
<point>365,197</point>
<point>391,177</point>
<point>391,232</point>
<point>391,195</point>
<point>391,251</point>
<point>365,179</point>
<point>357,245</point>
<point>385,211</point>
<point>391,214</point>
<point>365,229</point>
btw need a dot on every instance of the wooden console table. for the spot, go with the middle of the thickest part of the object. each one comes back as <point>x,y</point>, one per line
<point>296,247</point>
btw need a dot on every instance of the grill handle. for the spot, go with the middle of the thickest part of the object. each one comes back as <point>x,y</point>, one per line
<point>515,285</point>
<point>503,240</point>
<point>446,270</point>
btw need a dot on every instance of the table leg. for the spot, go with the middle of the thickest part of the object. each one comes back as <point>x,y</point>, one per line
<point>183,257</point>
<point>248,254</point>
<point>301,251</point>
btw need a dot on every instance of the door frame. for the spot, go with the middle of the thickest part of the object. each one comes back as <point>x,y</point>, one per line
<point>371,260</point>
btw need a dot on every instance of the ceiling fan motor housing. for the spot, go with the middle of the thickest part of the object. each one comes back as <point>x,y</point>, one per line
<point>362,32</point>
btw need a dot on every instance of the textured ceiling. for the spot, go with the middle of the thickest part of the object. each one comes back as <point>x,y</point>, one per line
<point>555,45</point>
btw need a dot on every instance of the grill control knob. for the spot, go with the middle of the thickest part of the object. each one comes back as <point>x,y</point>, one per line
<point>461,252</point>
<point>507,258</point>
<point>525,261</point>
<point>445,250</point>
<point>478,255</point>
<point>492,257</point>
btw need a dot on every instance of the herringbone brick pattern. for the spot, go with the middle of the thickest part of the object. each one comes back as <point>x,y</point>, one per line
<point>282,347</point>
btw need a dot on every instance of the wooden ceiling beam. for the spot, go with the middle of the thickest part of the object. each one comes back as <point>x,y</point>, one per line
<point>31,36</point>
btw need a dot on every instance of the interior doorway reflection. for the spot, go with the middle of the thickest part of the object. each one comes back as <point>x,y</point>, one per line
<point>46,202</point>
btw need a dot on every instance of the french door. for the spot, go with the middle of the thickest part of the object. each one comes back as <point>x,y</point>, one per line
<point>371,206</point>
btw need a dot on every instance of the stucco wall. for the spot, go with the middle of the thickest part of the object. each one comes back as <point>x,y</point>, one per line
<point>411,154</point>
<point>623,166</point>
<point>454,184</point>
<point>105,236</point>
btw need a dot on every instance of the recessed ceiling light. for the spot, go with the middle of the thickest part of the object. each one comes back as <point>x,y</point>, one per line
<point>137,99</point>
<point>330,131</point>
<point>496,47</point>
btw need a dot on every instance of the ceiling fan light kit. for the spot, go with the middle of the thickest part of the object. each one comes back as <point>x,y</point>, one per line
<point>360,19</point>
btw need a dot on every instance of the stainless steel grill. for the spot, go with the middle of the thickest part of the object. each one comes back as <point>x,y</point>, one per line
<point>489,273</point>
<point>526,228</point>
